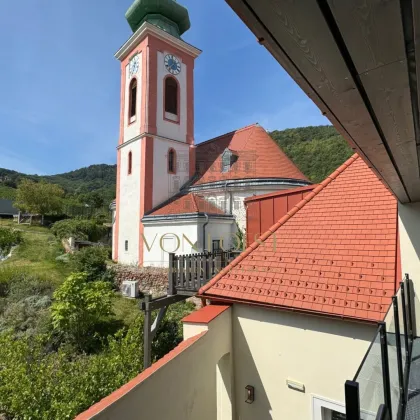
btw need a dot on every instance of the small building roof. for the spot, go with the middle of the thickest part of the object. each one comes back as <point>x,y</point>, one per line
<point>256,156</point>
<point>186,204</point>
<point>335,252</point>
<point>6,208</point>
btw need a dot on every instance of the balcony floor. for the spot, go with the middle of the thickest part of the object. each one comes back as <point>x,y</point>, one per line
<point>413,405</point>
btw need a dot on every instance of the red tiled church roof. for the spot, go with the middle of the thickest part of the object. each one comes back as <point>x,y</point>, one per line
<point>189,203</point>
<point>258,156</point>
<point>334,252</point>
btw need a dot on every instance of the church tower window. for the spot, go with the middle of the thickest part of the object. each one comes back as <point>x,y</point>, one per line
<point>171,96</point>
<point>130,163</point>
<point>133,101</point>
<point>172,161</point>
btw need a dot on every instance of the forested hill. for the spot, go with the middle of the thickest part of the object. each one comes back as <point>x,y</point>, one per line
<point>317,151</point>
<point>95,178</point>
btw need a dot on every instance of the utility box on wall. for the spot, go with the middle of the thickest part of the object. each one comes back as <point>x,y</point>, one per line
<point>130,289</point>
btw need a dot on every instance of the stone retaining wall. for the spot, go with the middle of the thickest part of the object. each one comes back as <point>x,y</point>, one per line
<point>152,280</point>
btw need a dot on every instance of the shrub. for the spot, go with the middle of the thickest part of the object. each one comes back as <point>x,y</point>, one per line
<point>25,299</point>
<point>79,306</point>
<point>35,385</point>
<point>80,229</point>
<point>9,238</point>
<point>90,260</point>
<point>24,317</point>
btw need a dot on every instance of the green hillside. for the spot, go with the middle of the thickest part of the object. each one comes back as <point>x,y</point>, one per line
<point>7,192</point>
<point>98,178</point>
<point>317,151</point>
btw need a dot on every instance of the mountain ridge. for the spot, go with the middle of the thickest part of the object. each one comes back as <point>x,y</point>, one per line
<point>316,150</point>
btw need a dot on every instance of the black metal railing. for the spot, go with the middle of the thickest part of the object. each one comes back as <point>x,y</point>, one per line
<point>187,273</point>
<point>380,387</point>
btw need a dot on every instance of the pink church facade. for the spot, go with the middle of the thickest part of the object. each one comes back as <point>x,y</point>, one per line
<point>157,155</point>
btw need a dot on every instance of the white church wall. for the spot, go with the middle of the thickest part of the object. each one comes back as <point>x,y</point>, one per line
<point>132,130</point>
<point>129,206</point>
<point>166,185</point>
<point>183,237</point>
<point>162,238</point>
<point>176,131</point>
<point>218,230</point>
<point>222,199</point>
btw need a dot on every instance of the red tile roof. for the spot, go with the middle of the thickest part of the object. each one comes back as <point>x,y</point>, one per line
<point>129,386</point>
<point>206,314</point>
<point>334,252</point>
<point>258,157</point>
<point>189,203</point>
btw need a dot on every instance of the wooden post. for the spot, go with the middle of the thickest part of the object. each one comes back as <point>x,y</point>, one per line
<point>181,272</point>
<point>187,271</point>
<point>205,269</point>
<point>147,339</point>
<point>172,275</point>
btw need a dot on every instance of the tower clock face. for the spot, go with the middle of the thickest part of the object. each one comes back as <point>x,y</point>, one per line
<point>172,64</point>
<point>134,65</point>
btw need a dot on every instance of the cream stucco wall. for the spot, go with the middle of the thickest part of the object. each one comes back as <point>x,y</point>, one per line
<point>167,128</point>
<point>185,388</point>
<point>166,185</point>
<point>271,346</point>
<point>129,205</point>
<point>132,130</point>
<point>409,229</point>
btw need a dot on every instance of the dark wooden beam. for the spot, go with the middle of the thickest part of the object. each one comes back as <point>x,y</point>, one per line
<point>162,302</point>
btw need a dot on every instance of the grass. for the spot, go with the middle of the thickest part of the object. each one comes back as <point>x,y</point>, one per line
<point>37,256</point>
<point>125,310</point>
<point>37,253</point>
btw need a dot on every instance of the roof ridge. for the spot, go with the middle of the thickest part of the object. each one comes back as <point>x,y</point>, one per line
<point>281,222</point>
<point>280,193</point>
<point>194,202</point>
<point>226,134</point>
<point>250,135</point>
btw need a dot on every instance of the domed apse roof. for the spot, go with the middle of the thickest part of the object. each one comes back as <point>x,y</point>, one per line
<point>167,15</point>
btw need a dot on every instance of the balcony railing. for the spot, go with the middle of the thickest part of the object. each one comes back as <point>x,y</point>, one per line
<point>379,389</point>
<point>187,273</point>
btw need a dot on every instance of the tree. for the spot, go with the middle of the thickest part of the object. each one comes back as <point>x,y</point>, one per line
<point>39,198</point>
<point>80,305</point>
<point>316,151</point>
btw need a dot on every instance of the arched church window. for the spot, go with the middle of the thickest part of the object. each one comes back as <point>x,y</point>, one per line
<point>171,96</point>
<point>130,163</point>
<point>133,101</point>
<point>172,161</point>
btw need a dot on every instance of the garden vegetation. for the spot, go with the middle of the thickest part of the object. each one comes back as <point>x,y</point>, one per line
<point>69,339</point>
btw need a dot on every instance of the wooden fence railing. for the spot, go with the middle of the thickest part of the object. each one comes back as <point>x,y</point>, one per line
<point>187,273</point>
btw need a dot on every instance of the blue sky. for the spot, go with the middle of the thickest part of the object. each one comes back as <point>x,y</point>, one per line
<point>59,81</point>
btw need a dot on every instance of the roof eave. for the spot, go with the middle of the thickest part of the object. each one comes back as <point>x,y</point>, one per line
<point>230,301</point>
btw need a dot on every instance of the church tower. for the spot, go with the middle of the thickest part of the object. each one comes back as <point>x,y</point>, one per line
<point>156,153</point>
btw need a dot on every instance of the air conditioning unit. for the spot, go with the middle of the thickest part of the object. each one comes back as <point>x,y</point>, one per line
<point>130,289</point>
